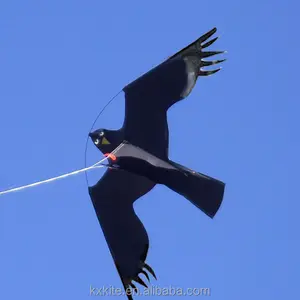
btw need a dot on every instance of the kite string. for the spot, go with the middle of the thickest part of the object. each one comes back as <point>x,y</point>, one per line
<point>94,166</point>
<point>98,164</point>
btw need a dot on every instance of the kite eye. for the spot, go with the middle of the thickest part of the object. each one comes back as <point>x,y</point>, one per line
<point>101,133</point>
<point>97,142</point>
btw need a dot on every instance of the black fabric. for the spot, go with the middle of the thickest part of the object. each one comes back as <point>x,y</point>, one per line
<point>142,158</point>
<point>203,191</point>
<point>146,103</point>
<point>113,197</point>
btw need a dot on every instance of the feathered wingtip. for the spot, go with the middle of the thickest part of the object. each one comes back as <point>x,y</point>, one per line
<point>196,49</point>
<point>130,287</point>
<point>204,54</point>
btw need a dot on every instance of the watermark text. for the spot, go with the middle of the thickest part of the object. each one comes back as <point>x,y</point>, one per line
<point>150,291</point>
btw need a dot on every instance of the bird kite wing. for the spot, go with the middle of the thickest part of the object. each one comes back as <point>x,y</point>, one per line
<point>148,98</point>
<point>113,198</point>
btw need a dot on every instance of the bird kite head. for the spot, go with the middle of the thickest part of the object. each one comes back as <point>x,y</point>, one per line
<point>105,140</point>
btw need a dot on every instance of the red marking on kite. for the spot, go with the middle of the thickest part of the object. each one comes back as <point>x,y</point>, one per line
<point>111,156</point>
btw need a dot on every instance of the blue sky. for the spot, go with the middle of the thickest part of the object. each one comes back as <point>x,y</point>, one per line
<point>61,61</point>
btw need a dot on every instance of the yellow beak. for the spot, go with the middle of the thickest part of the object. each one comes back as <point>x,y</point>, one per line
<point>105,141</point>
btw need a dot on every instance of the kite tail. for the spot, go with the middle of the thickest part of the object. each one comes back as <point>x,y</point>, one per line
<point>203,191</point>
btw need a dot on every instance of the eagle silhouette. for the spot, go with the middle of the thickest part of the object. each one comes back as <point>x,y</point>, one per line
<point>138,159</point>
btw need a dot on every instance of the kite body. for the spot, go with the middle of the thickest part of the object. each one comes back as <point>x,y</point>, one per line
<point>140,159</point>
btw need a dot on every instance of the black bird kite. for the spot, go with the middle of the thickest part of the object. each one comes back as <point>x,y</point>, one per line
<point>138,159</point>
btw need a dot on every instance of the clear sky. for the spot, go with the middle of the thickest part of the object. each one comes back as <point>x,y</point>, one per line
<point>61,61</point>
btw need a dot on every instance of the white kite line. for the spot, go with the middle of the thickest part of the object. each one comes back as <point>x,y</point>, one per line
<point>94,166</point>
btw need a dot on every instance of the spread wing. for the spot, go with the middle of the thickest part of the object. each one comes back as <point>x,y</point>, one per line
<point>148,98</point>
<point>146,104</point>
<point>113,197</point>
